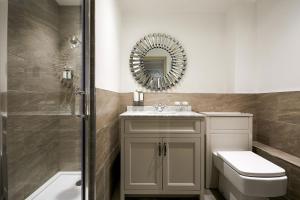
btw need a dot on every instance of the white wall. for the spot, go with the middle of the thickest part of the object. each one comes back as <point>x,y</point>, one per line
<point>241,25</point>
<point>254,47</point>
<point>202,35</point>
<point>107,56</point>
<point>278,45</point>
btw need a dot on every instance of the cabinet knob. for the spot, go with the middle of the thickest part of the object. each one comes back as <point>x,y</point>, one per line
<point>165,149</point>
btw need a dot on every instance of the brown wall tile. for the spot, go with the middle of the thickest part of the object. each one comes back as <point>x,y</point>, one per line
<point>199,102</point>
<point>40,142</point>
<point>107,108</point>
<point>278,116</point>
<point>293,174</point>
<point>107,142</point>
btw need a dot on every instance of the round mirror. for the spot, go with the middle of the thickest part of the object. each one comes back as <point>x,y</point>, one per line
<point>158,61</point>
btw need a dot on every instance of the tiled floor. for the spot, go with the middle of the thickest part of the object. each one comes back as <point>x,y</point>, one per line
<point>210,195</point>
<point>161,198</point>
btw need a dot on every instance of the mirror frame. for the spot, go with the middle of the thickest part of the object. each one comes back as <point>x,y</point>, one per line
<point>178,61</point>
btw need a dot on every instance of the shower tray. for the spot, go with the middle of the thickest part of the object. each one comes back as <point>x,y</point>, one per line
<point>62,186</point>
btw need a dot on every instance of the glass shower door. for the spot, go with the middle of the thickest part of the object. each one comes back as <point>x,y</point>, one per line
<point>46,100</point>
<point>3,94</point>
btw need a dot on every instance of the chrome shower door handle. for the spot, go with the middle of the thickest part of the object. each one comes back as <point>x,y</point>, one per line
<point>82,108</point>
<point>159,149</point>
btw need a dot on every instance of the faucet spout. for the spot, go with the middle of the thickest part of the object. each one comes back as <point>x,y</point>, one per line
<point>159,107</point>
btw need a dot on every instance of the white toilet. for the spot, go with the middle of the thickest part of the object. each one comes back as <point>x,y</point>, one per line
<point>244,175</point>
<point>232,167</point>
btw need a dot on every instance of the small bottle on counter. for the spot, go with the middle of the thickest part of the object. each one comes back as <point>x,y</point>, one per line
<point>141,98</point>
<point>138,98</point>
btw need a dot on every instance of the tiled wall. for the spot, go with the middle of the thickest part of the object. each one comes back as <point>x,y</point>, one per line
<point>43,137</point>
<point>199,101</point>
<point>278,120</point>
<point>278,117</point>
<point>38,146</point>
<point>107,143</point>
<point>70,23</point>
<point>32,90</point>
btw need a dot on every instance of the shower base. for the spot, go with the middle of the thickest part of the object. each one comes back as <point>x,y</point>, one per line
<point>62,186</point>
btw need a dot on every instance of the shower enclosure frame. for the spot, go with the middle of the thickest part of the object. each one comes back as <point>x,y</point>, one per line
<point>89,102</point>
<point>89,108</point>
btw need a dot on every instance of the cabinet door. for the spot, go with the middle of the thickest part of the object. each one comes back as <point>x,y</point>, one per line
<point>181,163</point>
<point>143,164</point>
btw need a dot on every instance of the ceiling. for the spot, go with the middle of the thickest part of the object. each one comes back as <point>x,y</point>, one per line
<point>69,2</point>
<point>165,6</point>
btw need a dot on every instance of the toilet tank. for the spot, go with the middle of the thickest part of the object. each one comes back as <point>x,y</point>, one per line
<point>225,131</point>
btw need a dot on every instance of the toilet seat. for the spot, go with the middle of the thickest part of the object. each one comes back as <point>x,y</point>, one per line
<point>243,173</point>
<point>247,163</point>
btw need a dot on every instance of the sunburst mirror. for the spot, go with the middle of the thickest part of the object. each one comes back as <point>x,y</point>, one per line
<point>158,61</point>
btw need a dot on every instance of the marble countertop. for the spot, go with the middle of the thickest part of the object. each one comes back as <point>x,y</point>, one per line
<point>169,111</point>
<point>160,114</point>
<point>175,111</point>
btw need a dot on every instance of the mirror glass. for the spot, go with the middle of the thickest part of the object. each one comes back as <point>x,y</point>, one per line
<point>157,62</point>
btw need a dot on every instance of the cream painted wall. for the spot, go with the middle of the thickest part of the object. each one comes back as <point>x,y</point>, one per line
<point>278,45</point>
<point>107,58</point>
<point>253,47</point>
<point>202,35</point>
<point>241,26</point>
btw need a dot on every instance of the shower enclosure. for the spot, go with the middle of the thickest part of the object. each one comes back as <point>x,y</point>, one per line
<point>46,125</point>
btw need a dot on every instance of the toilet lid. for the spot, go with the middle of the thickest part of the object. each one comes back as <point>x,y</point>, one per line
<point>248,163</point>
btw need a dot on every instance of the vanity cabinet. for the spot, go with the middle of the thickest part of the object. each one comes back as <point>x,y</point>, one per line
<point>161,156</point>
<point>143,163</point>
<point>181,164</point>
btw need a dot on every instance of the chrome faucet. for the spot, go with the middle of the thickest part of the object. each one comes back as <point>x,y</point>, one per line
<point>160,107</point>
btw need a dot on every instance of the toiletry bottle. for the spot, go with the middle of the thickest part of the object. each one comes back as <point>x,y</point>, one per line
<point>136,98</point>
<point>141,98</point>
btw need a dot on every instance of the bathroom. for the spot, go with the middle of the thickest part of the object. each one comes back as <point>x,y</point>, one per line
<point>69,76</point>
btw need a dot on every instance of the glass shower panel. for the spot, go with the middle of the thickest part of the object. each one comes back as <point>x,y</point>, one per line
<point>45,70</point>
<point>3,97</point>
